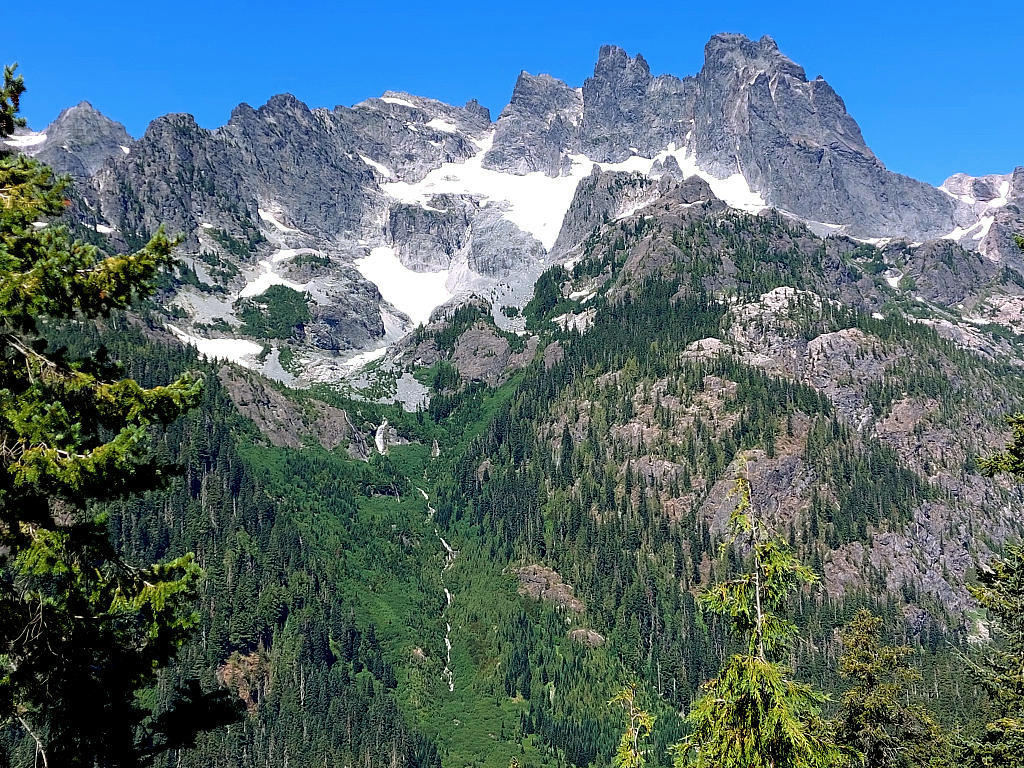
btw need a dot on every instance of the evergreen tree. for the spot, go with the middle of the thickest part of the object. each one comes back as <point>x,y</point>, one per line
<point>754,715</point>
<point>631,752</point>
<point>81,630</point>
<point>1000,591</point>
<point>873,720</point>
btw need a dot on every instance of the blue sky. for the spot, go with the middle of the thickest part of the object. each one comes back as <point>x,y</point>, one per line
<point>937,87</point>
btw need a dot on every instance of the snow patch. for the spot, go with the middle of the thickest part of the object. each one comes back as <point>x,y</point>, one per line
<point>878,242</point>
<point>417,294</point>
<point>103,229</point>
<point>442,125</point>
<point>125,149</point>
<point>959,233</point>
<point>383,170</point>
<point>272,219</point>
<point>582,296</point>
<point>289,253</point>
<point>733,190</point>
<point>364,358</point>
<point>25,140</point>
<point>536,203</point>
<point>398,101</point>
<point>235,350</point>
<point>268,276</point>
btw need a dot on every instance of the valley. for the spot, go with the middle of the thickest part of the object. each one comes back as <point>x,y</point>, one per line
<point>477,397</point>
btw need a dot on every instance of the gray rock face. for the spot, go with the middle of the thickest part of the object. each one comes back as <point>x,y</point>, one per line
<point>411,135</point>
<point>750,111</point>
<point>284,422</point>
<point>982,189</point>
<point>348,317</point>
<point>943,272</point>
<point>424,178</point>
<point>620,112</point>
<point>998,202</point>
<point>627,111</point>
<point>498,248</point>
<point>670,168</point>
<point>428,238</point>
<point>297,160</point>
<point>757,114</point>
<point>178,175</point>
<point>539,125</point>
<point>308,166</point>
<point>482,355</point>
<point>604,196</point>
<point>81,139</point>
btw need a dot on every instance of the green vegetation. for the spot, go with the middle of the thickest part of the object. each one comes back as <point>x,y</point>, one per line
<point>874,719</point>
<point>1000,593</point>
<point>631,752</point>
<point>277,313</point>
<point>84,629</point>
<point>220,268</point>
<point>754,713</point>
<point>236,247</point>
<point>311,260</point>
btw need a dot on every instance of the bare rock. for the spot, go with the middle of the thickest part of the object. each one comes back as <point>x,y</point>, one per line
<point>481,354</point>
<point>287,423</point>
<point>587,638</point>
<point>542,583</point>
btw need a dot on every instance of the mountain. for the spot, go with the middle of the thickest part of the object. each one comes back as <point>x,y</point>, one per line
<point>477,392</point>
<point>351,206</point>
<point>78,142</point>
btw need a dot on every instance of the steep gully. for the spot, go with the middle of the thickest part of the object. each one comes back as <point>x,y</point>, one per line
<point>449,559</point>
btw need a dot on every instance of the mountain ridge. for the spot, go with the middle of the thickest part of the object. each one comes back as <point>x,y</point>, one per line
<point>401,185</point>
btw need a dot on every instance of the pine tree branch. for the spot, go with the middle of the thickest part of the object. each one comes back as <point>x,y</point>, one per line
<point>39,745</point>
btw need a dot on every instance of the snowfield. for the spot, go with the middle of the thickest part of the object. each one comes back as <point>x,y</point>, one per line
<point>269,276</point>
<point>536,202</point>
<point>383,170</point>
<point>417,294</point>
<point>272,219</point>
<point>234,350</point>
<point>442,125</point>
<point>364,358</point>
<point>25,140</point>
<point>398,101</point>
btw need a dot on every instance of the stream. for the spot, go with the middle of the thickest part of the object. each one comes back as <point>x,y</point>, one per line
<point>449,558</point>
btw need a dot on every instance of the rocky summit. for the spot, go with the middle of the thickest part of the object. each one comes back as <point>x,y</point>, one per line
<point>378,215</point>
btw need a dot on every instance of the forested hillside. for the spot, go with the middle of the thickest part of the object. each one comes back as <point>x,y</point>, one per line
<point>596,479</point>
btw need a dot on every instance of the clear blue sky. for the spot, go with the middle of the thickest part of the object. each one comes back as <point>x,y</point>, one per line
<point>937,87</point>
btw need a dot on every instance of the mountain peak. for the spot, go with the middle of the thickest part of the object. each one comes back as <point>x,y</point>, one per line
<point>81,139</point>
<point>730,50</point>
<point>284,102</point>
<point>477,109</point>
<point>611,59</point>
<point>83,111</point>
